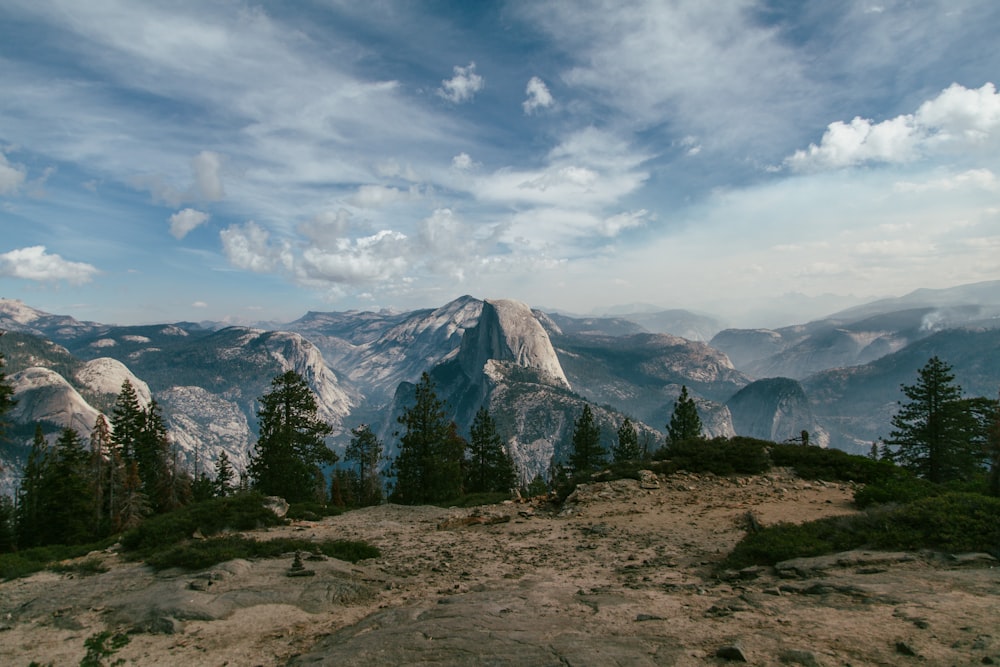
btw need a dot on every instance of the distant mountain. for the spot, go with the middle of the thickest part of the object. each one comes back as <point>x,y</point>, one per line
<point>856,404</point>
<point>775,409</point>
<point>859,335</point>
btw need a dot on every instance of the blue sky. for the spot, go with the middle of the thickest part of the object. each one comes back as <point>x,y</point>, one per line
<point>238,161</point>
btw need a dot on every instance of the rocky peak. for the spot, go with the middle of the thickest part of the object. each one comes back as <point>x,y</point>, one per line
<point>508,331</point>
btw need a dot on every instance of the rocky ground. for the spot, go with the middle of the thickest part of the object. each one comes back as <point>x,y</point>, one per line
<point>619,575</point>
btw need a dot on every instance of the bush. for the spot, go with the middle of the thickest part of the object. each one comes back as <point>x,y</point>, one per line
<point>951,522</point>
<point>312,511</point>
<point>898,490</point>
<point>200,554</point>
<point>832,465</point>
<point>720,456</point>
<point>243,511</point>
<point>24,563</point>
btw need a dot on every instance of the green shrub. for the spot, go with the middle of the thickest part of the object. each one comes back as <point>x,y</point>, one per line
<point>720,456</point>
<point>898,490</point>
<point>833,465</point>
<point>200,554</point>
<point>951,522</point>
<point>244,511</point>
<point>23,563</point>
<point>85,567</point>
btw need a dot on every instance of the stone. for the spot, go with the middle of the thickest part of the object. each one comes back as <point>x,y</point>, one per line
<point>732,652</point>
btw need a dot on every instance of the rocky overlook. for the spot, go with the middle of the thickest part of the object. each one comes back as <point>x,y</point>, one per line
<point>622,573</point>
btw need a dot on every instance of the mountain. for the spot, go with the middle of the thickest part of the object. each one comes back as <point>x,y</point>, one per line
<point>857,336</point>
<point>775,409</point>
<point>16,316</point>
<point>856,404</point>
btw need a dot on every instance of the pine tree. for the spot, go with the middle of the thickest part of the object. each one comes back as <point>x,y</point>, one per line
<point>224,476</point>
<point>993,451</point>
<point>8,534</point>
<point>66,502</point>
<point>587,453</point>
<point>428,467</point>
<point>933,432</point>
<point>157,468</point>
<point>627,448</point>
<point>365,450</point>
<point>28,512</point>
<point>490,467</point>
<point>132,506</point>
<point>100,463</point>
<point>127,421</point>
<point>685,424</point>
<point>291,449</point>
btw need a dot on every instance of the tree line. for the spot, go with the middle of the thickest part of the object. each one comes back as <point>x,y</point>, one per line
<point>75,491</point>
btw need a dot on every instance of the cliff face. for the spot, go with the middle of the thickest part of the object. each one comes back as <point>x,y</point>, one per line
<point>509,332</point>
<point>775,409</point>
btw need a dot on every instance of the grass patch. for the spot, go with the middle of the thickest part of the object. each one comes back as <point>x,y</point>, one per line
<point>951,522</point>
<point>200,554</point>
<point>84,567</point>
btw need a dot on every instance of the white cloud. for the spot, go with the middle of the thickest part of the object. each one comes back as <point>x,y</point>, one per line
<point>958,117</point>
<point>616,224</point>
<point>463,86</point>
<point>199,305</point>
<point>326,228</point>
<point>979,179</point>
<point>378,257</point>
<point>34,263</point>
<point>11,176</point>
<point>250,247</point>
<point>538,94</point>
<point>182,222</point>
<point>376,196</point>
<point>462,162</point>
<point>206,166</point>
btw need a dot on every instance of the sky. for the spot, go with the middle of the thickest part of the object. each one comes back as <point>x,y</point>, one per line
<point>762,161</point>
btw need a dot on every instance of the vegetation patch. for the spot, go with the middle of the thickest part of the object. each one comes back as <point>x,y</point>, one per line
<point>831,465</point>
<point>720,456</point>
<point>951,522</point>
<point>24,563</point>
<point>245,511</point>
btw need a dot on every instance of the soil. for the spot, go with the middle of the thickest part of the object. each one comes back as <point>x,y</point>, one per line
<point>617,575</point>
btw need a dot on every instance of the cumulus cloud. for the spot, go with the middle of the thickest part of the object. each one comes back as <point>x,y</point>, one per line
<point>463,86</point>
<point>34,263</point>
<point>250,247</point>
<point>538,94</point>
<point>381,256</point>
<point>182,222</point>
<point>957,117</point>
<point>11,176</point>
<point>326,228</point>
<point>199,304</point>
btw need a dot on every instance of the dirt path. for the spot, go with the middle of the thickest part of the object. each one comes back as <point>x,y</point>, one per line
<point>620,575</point>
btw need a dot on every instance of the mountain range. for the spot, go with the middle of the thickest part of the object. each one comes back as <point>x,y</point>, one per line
<point>837,378</point>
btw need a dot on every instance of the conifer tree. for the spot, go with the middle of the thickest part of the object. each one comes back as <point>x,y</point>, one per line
<point>428,467</point>
<point>287,458</point>
<point>685,424</point>
<point>127,421</point>
<point>627,448</point>
<point>490,467</point>
<point>28,512</point>
<point>132,506</point>
<point>66,503</point>
<point>993,451</point>
<point>933,431</point>
<point>365,450</point>
<point>8,534</point>
<point>100,463</point>
<point>224,476</point>
<point>587,453</point>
